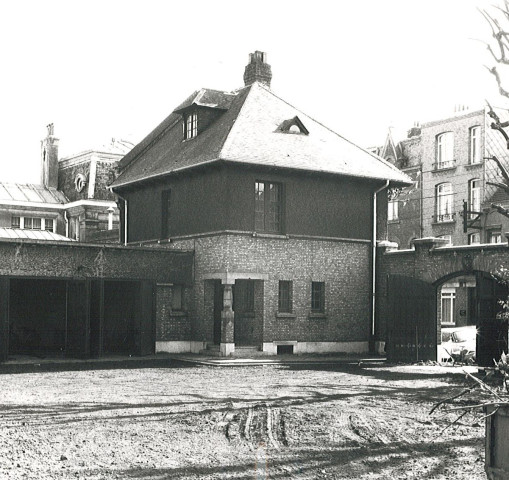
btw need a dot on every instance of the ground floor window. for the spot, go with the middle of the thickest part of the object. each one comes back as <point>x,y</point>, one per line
<point>448,298</point>
<point>176,297</point>
<point>285,296</point>
<point>317,297</point>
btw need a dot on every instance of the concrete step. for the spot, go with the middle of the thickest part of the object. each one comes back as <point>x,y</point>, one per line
<point>247,352</point>
<point>211,351</point>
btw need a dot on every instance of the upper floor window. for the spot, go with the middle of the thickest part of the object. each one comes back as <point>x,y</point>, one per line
<point>393,213</point>
<point>475,196</point>
<point>475,145</point>
<point>32,223</point>
<point>474,238</point>
<point>445,150</point>
<point>444,202</point>
<point>190,125</point>
<point>49,224</point>
<point>268,207</point>
<point>494,236</point>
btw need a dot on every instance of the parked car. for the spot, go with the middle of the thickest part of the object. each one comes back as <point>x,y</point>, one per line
<point>459,343</point>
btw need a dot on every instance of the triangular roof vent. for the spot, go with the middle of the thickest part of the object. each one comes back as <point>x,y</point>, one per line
<point>293,125</point>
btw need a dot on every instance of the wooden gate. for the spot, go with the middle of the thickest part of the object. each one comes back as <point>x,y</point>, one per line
<point>491,331</point>
<point>4,318</point>
<point>145,339</point>
<point>412,326</point>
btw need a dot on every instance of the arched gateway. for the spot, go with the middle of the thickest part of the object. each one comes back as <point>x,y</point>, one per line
<point>420,291</point>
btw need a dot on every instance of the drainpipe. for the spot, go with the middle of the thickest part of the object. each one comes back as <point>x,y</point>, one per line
<point>373,273</point>
<point>66,224</point>
<point>125,215</point>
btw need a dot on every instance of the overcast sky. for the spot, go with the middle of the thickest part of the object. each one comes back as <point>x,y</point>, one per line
<point>104,69</point>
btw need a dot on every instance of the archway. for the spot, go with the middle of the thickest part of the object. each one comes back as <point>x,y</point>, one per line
<point>468,303</point>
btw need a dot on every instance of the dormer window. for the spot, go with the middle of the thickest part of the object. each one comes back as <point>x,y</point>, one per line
<point>190,125</point>
<point>293,125</point>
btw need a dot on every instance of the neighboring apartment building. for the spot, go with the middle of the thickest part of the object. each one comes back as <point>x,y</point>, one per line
<point>72,202</point>
<point>279,211</point>
<point>450,162</point>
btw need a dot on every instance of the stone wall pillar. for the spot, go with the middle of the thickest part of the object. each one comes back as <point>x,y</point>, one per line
<point>227,345</point>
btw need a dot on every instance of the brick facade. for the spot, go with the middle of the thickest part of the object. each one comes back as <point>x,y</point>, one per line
<point>344,266</point>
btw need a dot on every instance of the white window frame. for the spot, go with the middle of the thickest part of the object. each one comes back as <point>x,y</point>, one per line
<point>449,295</point>
<point>444,202</point>
<point>475,196</point>
<point>495,236</point>
<point>393,210</point>
<point>445,150</point>
<point>475,145</point>
<point>474,238</point>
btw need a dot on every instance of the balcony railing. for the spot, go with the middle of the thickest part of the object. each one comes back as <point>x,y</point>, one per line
<point>444,165</point>
<point>444,217</point>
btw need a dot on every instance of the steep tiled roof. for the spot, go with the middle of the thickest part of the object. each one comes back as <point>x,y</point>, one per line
<point>249,132</point>
<point>19,192</point>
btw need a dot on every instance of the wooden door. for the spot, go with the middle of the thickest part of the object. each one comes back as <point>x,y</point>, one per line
<point>218,308</point>
<point>412,327</point>
<point>243,308</point>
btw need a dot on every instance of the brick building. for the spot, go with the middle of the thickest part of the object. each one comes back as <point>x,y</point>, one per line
<point>450,161</point>
<point>282,215</point>
<point>72,200</point>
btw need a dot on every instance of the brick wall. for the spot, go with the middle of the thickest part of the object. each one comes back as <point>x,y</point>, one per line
<point>434,266</point>
<point>343,266</point>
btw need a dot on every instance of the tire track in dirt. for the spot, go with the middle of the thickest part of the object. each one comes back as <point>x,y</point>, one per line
<point>259,424</point>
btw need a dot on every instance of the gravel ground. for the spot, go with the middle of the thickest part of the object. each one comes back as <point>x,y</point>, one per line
<point>273,421</point>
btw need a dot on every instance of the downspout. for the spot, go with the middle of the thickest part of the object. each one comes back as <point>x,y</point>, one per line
<point>66,224</point>
<point>373,257</point>
<point>125,215</point>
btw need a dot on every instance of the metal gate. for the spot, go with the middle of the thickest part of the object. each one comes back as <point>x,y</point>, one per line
<point>412,327</point>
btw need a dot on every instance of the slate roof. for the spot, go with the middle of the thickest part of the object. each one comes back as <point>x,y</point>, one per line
<point>30,193</point>
<point>249,132</point>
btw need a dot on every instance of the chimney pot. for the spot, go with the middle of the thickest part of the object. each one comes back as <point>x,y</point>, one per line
<point>257,70</point>
<point>49,159</point>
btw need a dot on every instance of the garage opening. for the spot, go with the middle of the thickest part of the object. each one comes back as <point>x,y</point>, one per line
<point>120,308</point>
<point>37,317</point>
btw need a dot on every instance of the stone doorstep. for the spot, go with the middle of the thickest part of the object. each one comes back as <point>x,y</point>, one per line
<point>240,352</point>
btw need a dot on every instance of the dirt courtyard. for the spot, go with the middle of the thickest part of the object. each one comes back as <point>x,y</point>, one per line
<point>297,422</point>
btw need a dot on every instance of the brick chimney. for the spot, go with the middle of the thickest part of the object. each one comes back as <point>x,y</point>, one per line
<point>257,70</point>
<point>49,159</point>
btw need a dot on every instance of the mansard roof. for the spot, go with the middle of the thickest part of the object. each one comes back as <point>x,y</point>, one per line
<point>248,132</point>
